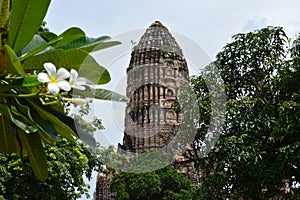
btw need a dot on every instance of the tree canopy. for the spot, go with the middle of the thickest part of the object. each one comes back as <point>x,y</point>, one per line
<point>165,183</point>
<point>257,155</point>
<point>68,163</point>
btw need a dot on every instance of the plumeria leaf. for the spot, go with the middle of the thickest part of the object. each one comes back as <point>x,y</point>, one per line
<point>36,41</point>
<point>25,21</point>
<point>63,129</point>
<point>85,136</point>
<point>81,133</point>
<point>99,46</point>
<point>69,35</point>
<point>7,144</point>
<point>77,59</point>
<point>13,64</point>
<point>17,118</point>
<point>48,36</point>
<point>90,44</point>
<point>46,130</point>
<point>31,81</point>
<point>36,46</point>
<point>35,151</point>
<point>22,122</point>
<point>102,94</point>
<point>47,139</point>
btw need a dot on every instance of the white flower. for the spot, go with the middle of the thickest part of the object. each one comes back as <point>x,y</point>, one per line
<point>56,79</point>
<point>75,81</point>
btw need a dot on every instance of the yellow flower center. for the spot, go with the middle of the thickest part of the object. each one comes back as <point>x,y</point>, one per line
<point>53,79</point>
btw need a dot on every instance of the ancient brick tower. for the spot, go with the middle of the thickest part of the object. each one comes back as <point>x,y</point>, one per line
<point>156,72</point>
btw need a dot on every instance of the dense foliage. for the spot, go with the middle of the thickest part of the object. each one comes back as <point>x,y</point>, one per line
<point>68,163</point>
<point>258,153</point>
<point>165,183</point>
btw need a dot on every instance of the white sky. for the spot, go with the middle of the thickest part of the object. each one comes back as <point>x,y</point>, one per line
<point>209,24</point>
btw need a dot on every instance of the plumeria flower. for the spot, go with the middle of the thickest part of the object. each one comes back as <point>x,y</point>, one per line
<point>56,79</point>
<point>75,81</point>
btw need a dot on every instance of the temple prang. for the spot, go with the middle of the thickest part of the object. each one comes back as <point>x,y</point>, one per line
<point>156,73</point>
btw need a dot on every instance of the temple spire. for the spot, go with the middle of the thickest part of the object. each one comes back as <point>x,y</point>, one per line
<point>156,72</point>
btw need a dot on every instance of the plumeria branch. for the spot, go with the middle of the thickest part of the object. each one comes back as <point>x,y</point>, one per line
<point>23,95</point>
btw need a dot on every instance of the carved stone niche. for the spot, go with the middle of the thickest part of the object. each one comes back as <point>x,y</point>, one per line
<point>168,63</point>
<point>169,93</point>
<point>171,115</point>
<point>168,104</point>
<point>169,72</point>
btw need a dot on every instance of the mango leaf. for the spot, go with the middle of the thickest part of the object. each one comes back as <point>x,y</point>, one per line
<point>13,63</point>
<point>7,144</point>
<point>35,151</point>
<point>26,18</point>
<point>63,129</point>
<point>102,94</point>
<point>77,59</point>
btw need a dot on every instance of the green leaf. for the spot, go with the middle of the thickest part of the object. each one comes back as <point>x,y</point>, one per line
<point>35,151</point>
<point>85,136</point>
<point>17,118</point>
<point>102,94</point>
<point>36,41</point>
<point>31,81</point>
<point>22,122</point>
<point>99,46</point>
<point>36,46</point>
<point>7,139</point>
<point>13,63</point>
<point>82,133</point>
<point>90,44</point>
<point>70,35</point>
<point>63,129</point>
<point>26,18</point>
<point>4,18</point>
<point>48,35</point>
<point>46,130</point>
<point>77,59</point>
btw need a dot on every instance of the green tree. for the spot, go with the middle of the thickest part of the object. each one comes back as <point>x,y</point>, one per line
<point>31,112</point>
<point>165,183</point>
<point>67,162</point>
<point>138,181</point>
<point>257,155</point>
